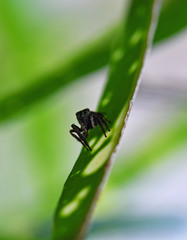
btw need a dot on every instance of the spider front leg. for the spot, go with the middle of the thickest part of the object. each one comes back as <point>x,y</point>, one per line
<point>80,137</point>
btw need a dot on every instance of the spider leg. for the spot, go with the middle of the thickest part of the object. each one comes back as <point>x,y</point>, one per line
<point>84,130</point>
<point>106,125</point>
<point>80,137</point>
<point>100,122</point>
<point>92,120</point>
<point>104,120</point>
<point>101,126</point>
<point>103,117</point>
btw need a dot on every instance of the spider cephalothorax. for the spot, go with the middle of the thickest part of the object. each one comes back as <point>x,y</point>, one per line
<point>88,120</point>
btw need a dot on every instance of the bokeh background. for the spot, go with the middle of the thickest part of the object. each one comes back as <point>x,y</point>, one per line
<point>146,196</point>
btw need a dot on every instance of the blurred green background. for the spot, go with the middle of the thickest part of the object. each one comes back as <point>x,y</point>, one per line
<point>146,195</point>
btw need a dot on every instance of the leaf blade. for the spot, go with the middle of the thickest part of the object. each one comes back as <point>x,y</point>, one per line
<point>92,57</point>
<point>85,181</point>
<point>155,149</point>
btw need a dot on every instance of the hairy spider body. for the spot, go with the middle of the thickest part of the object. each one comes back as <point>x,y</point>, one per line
<point>88,120</point>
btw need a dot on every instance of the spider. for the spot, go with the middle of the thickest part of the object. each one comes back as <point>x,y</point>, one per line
<point>88,120</point>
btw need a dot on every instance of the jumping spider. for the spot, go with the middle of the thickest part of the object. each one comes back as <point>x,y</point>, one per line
<point>88,120</point>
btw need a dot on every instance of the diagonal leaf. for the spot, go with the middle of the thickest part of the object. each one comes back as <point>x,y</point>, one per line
<point>163,143</point>
<point>169,24</point>
<point>88,59</point>
<point>91,57</point>
<point>86,179</point>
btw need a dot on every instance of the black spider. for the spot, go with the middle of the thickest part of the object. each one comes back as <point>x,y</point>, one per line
<point>88,120</point>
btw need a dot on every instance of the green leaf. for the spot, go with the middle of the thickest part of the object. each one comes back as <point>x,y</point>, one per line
<point>172,20</point>
<point>90,58</point>
<point>85,181</point>
<point>152,151</point>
